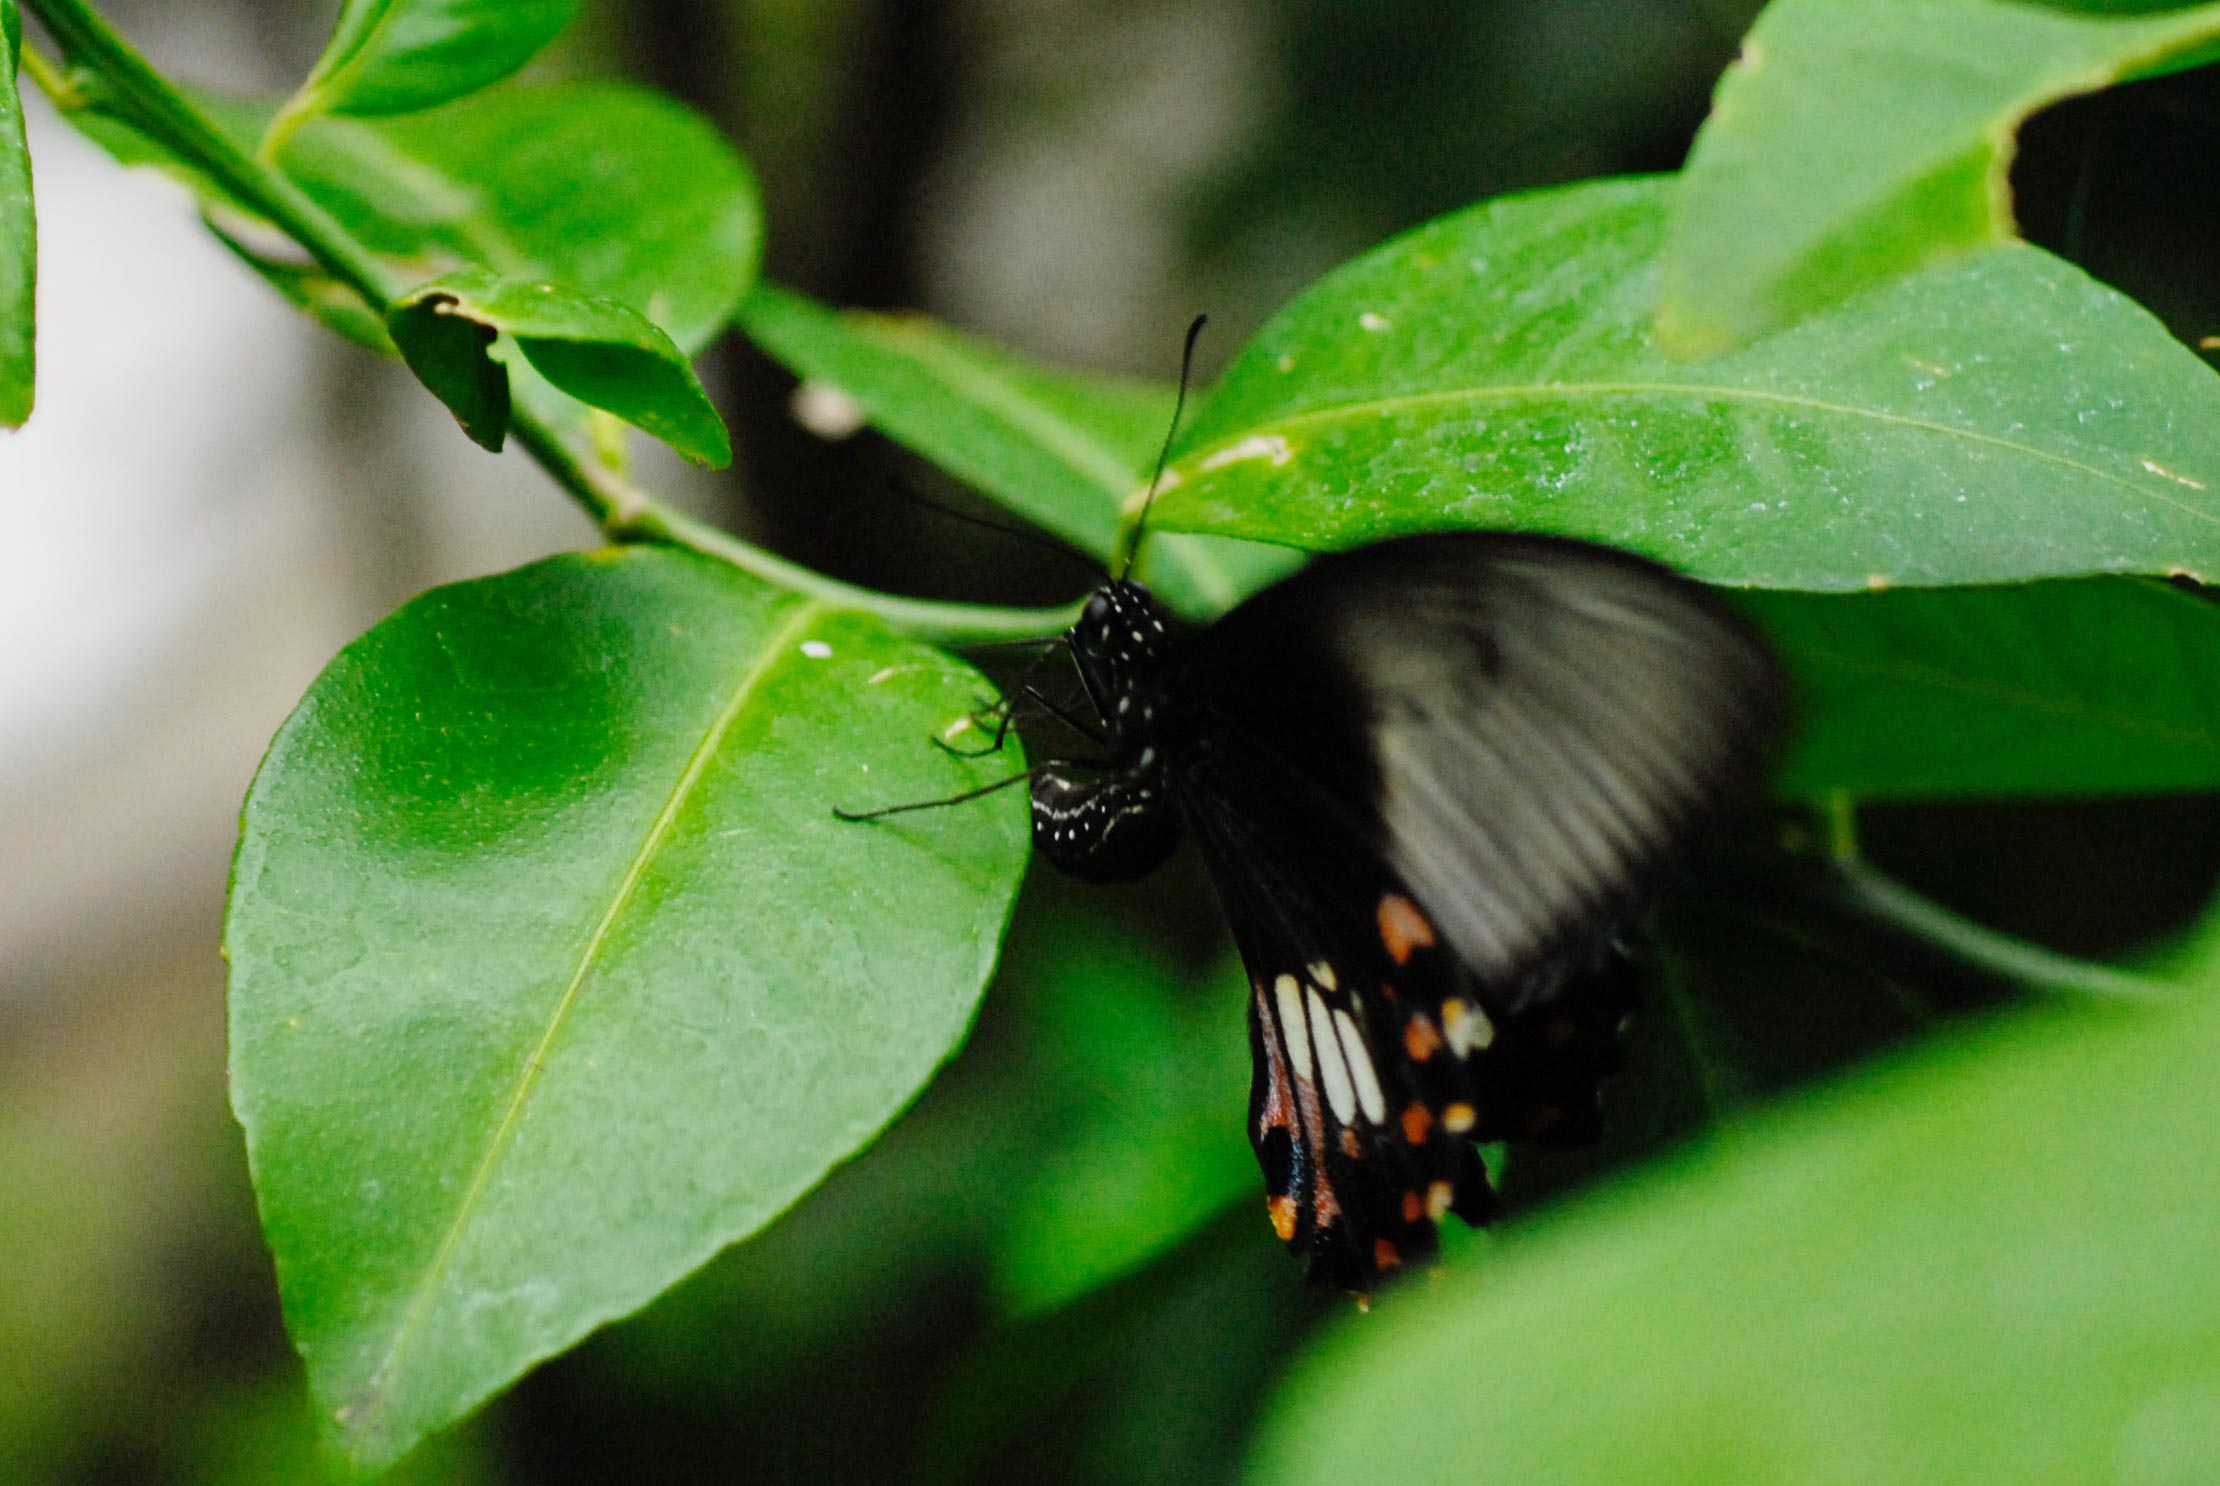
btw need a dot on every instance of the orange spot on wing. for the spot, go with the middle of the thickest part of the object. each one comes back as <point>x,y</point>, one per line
<point>1418,1123</point>
<point>1459,1117</point>
<point>1420,1039</point>
<point>1403,929</point>
<point>1439,1196</point>
<point>1350,1145</point>
<point>1385,1255</point>
<point>1282,1210</point>
<point>1414,1207</point>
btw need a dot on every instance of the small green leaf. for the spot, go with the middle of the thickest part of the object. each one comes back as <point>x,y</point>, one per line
<point>1860,139</point>
<point>1060,448</point>
<point>601,352</point>
<point>553,973</point>
<point>2090,687</point>
<point>399,56</point>
<point>18,237</point>
<point>611,189</point>
<point>1985,1263</point>
<point>1998,418</point>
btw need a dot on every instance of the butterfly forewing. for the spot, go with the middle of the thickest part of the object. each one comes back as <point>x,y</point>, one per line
<point>1525,731</point>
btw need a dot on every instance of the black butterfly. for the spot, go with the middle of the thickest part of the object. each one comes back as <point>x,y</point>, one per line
<point>1435,781</point>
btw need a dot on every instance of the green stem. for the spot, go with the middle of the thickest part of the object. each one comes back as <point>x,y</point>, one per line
<point>143,98</point>
<point>48,79</point>
<point>1886,899</point>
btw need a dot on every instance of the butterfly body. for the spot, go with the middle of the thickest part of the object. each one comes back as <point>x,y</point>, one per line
<point>1435,781</point>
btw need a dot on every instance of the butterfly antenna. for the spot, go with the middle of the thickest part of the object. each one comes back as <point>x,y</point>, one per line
<point>1186,375</point>
<point>910,492</point>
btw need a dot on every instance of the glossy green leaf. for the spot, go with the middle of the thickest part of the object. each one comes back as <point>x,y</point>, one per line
<point>553,973</point>
<point>1987,1263</point>
<point>2089,687</point>
<point>398,56</point>
<point>598,351</point>
<point>18,237</point>
<point>1060,448</point>
<point>2002,417</point>
<point>1859,139</point>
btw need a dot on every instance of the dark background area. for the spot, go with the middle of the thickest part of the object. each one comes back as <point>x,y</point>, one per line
<point>1076,179</point>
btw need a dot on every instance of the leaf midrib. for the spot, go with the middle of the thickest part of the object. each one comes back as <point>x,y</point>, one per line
<point>380,1391</point>
<point>1188,465</point>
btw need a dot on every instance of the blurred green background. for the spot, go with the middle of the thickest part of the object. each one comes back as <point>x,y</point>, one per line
<point>1054,1267</point>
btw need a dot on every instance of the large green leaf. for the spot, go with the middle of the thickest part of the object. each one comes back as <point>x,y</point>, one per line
<point>1060,448</point>
<point>1857,139</point>
<point>397,56</point>
<point>601,352</point>
<point>553,973</point>
<point>1988,1263</point>
<point>1998,418</point>
<point>2095,686</point>
<point>18,236</point>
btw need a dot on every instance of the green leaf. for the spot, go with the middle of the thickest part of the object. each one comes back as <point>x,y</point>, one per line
<point>1999,418</point>
<point>611,189</point>
<point>399,56</point>
<point>1987,1263</point>
<point>2089,687</point>
<point>607,188</point>
<point>1060,448</point>
<point>18,237</point>
<point>553,973</point>
<point>599,351</point>
<point>1860,139</point>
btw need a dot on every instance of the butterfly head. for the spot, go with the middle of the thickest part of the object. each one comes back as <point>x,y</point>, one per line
<point>1120,644</point>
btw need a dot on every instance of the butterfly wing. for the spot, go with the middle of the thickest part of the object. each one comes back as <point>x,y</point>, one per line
<point>1434,780</point>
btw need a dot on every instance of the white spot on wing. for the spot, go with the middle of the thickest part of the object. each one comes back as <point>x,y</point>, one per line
<point>1290,999</point>
<point>1340,1093</point>
<point>1323,973</point>
<point>1360,1068</point>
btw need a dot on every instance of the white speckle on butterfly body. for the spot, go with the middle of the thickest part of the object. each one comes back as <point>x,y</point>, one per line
<point>1258,446</point>
<point>1374,322</point>
<point>816,649</point>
